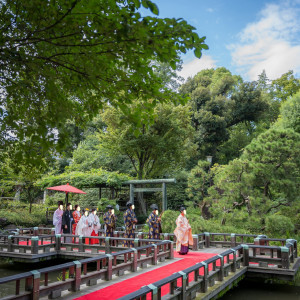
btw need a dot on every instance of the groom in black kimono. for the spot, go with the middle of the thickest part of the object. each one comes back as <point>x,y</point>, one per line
<point>67,222</point>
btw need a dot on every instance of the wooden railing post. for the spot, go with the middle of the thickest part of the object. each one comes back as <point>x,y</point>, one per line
<point>36,285</point>
<point>195,242</point>
<point>154,258</point>
<point>205,278</point>
<point>107,245</point>
<point>52,231</point>
<point>292,244</point>
<point>154,291</point>
<point>136,243</point>
<point>256,242</point>
<point>233,266</point>
<point>109,267</point>
<point>221,272</point>
<point>77,278</point>
<point>233,240</point>
<point>80,243</point>
<point>134,261</point>
<point>35,231</point>
<point>207,239</point>
<point>57,242</point>
<point>245,255</point>
<point>10,243</point>
<point>285,258</point>
<point>184,284</point>
<point>35,245</point>
<point>171,249</point>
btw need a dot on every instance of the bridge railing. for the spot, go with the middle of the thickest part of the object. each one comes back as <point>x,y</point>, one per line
<point>96,244</point>
<point>186,283</point>
<point>266,256</point>
<point>86,271</point>
<point>28,244</point>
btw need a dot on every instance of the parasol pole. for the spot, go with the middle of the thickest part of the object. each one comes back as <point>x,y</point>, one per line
<point>67,198</point>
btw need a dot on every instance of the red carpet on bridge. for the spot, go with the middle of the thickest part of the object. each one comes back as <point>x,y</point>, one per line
<point>130,285</point>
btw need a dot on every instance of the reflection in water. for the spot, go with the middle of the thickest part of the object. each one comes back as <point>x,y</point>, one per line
<point>249,290</point>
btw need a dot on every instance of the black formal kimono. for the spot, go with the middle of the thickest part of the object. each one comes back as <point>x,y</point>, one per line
<point>67,219</point>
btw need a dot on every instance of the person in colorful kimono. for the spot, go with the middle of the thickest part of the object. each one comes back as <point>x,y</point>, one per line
<point>129,221</point>
<point>153,222</point>
<point>94,223</point>
<point>57,217</point>
<point>82,227</point>
<point>67,222</point>
<point>76,216</point>
<point>183,233</point>
<point>109,219</point>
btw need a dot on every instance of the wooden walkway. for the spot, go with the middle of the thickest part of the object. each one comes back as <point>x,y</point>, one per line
<point>96,266</point>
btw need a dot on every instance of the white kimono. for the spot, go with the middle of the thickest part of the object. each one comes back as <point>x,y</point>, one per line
<point>94,221</point>
<point>57,220</point>
<point>82,227</point>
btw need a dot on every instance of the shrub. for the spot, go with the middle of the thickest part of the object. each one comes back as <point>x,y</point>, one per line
<point>277,225</point>
<point>19,218</point>
<point>168,221</point>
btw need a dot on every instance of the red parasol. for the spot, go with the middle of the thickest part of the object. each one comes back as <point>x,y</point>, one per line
<point>67,189</point>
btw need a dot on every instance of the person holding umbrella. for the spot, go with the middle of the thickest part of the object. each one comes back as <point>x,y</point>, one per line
<point>109,219</point>
<point>67,222</point>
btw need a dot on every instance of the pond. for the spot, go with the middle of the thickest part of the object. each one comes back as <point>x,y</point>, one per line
<point>251,290</point>
<point>8,268</point>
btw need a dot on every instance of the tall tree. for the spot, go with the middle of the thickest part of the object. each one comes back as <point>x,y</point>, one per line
<point>162,147</point>
<point>285,86</point>
<point>220,101</point>
<point>64,59</point>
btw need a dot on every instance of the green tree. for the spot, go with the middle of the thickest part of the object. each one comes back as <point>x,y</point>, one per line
<point>221,101</point>
<point>285,86</point>
<point>91,155</point>
<point>199,181</point>
<point>161,147</point>
<point>290,113</point>
<point>264,179</point>
<point>64,59</point>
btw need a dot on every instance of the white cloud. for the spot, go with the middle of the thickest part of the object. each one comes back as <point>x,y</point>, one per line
<point>196,65</point>
<point>271,43</point>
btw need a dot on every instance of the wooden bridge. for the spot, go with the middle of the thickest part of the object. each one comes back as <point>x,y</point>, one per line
<point>247,255</point>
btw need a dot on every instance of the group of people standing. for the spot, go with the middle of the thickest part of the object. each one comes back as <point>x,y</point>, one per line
<point>88,224</point>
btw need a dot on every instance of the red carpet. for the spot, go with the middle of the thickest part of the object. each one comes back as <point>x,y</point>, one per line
<point>128,286</point>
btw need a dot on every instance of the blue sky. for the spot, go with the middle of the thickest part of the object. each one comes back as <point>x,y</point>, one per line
<point>245,36</point>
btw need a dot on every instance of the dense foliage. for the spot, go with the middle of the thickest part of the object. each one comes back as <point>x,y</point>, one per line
<point>90,97</point>
<point>62,60</point>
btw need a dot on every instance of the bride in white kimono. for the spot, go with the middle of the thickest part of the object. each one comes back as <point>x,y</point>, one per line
<point>82,227</point>
<point>94,222</point>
